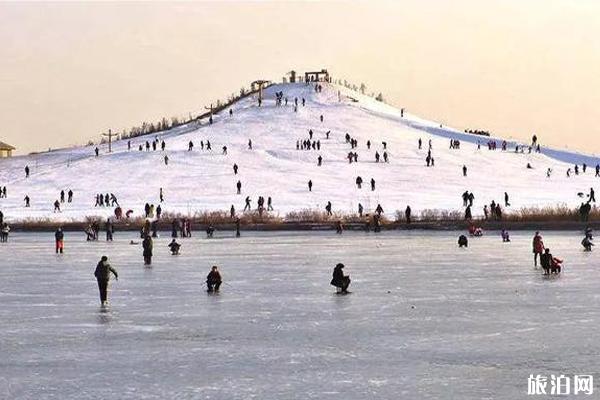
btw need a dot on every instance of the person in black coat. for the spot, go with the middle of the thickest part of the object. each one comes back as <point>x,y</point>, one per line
<point>59,239</point>
<point>102,274</point>
<point>340,280</point>
<point>213,280</point>
<point>147,246</point>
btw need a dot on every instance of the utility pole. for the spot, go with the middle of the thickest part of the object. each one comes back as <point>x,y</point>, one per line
<point>110,135</point>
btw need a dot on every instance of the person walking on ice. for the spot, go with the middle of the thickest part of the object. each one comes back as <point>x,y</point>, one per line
<point>102,274</point>
<point>59,237</point>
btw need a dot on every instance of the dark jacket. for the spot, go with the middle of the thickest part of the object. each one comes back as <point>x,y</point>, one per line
<point>59,235</point>
<point>103,270</point>
<point>338,276</point>
<point>213,277</point>
<point>546,260</point>
<point>147,245</point>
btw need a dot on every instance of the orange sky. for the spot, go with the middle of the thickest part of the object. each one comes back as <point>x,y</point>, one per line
<point>69,71</point>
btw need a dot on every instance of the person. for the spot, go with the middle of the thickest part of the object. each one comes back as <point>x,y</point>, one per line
<point>147,246</point>
<point>340,280</point>
<point>59,237</point>
<point>310,184</point>
<point>237,227</point>
<point>538,247</point>
<point>27,171</point>
<point>56,206</point>
<point>468,214</point>
<point>328,209</point>
<point>239,187</point>
<point>505,236</point>
<point>70,196</point>
<point>102,274</point>
<point>463,241</point>
<point>556,265</point>
<point>464,169</point>
<point>506,202</point>
<point>4,233</point>
<point>210,230</point>
<point>592,196</point>
<point>546,261</point>
<point>339,228</point>
<point>110,229</point>
<point>587,243</point>
<point>372,184</point>
<point>174,247</point>
<point>27,201</point>
<point>213,280</point>
<point>407,214</point>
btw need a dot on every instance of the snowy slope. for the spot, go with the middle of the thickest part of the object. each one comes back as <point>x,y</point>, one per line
<point>204,180</point>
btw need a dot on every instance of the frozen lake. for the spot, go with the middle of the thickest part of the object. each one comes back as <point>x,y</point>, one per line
<point>425,319</point>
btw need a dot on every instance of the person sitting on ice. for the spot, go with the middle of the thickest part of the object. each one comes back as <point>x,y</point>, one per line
<point>587,243</point>
<point>213,280</point>
<point>505,236</point>
<point>174,247</point>
<point>339,280</point>
<point>555,265</point>
<point>475,231</point>
<point>463,241</point>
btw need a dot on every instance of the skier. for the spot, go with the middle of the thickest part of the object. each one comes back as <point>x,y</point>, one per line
<point>328,208</point>
<point>359,182</point>
<point>147,246</point>
<point>59,240</point>
<point>339,280</point>
<point>102,274</point>
<point>213,280</point>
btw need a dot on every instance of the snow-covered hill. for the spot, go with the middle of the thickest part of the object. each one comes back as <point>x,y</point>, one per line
<point>201,180</point>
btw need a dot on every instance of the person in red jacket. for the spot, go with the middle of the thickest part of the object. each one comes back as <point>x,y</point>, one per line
<point>538,247</point>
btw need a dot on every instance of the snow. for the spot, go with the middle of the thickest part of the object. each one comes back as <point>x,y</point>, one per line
<point>202,180</point>
<point>425,320</point>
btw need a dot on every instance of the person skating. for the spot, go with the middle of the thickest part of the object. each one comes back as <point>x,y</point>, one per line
<point>538,247</point>
<point>587,243</point>
<point>59,237</point>
<point>339,280</point>
<point>174,247</point>
<point>213,280</point>
<point>147,246</point>
<point>102,274</point>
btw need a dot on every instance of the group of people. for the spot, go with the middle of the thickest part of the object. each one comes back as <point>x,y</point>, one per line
<point>103,200</point>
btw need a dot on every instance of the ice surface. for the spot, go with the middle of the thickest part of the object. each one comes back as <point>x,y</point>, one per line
<point>483,318</point>
<point>204,180</point>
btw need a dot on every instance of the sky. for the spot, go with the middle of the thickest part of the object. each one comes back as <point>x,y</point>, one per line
<point>70,71</point>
